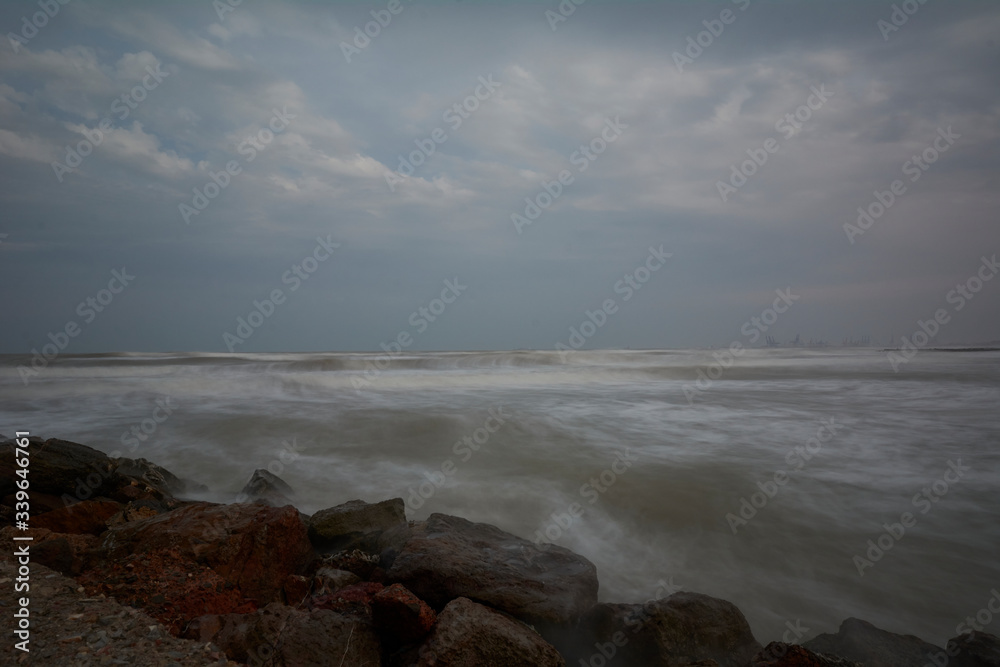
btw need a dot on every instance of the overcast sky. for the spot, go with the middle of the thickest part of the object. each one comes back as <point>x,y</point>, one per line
<point>178,89</point>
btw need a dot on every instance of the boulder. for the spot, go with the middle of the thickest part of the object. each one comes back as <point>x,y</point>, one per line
<point>344,526</point>
<point>266,488</point>
<point>161,480</point>
<point>357,562</point>
<point>974,649</point>
<point>862,642</point>
<point>67,553</point>
<point>780,654</point>
<point>329,580</point>
<point>88,517</point>
<point>354,601</point>
<point>400,616</point>
<point>60,467</point>
<point>681,629</point>
<point>282,635</point>
<point>470,634</point>
<point>447,557</point>
<point>252,547</point>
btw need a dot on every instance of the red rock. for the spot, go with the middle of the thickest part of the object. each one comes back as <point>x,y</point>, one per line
<point>166,585</point>
<point>400,616</point>
<point>253,547</point>
<point>297,588</point>
<point>354,600</point>
<point>87,517</point>
<point>65,553</point>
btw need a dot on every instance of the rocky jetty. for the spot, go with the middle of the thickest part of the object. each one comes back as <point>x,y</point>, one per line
<point>259,583</point>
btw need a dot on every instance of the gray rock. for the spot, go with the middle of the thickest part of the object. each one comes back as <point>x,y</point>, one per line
<point>345,526</point>
<point>281,635</point>
<point>152,475</point>
<point>974,649</point>
<point>331,579</point>
<point>780,654</point>
<point>469,634</point>
<point>862,642</point>
<point>681,629</point>
<point>448,557</point>
<point>267,488</point>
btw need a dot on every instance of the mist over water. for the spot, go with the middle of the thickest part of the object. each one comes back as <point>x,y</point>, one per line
<point>565,421</point>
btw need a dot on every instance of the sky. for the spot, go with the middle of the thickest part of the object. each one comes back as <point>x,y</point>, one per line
<point>247,176</point>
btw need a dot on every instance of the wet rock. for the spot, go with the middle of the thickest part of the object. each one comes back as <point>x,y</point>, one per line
<point>780,654</point>
<point>862,642</point>
<point>267,489</point>
<point>400,616</point>
<point>468,633</point>
<point>329,579</point>
<point>160,479</point>
<point>358,562</point>
<point>66,553</point>
<point>681,629</point>
<point>354,601</point>
<point>973,649</point>
<point>252,547</point>
<point>344,526</point>
<point>447,557</point>
<point>87,517</point>
<point>281,635</point>
<point>61,467</point>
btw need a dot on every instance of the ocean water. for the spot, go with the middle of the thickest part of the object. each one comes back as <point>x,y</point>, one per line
<point>613,454</point>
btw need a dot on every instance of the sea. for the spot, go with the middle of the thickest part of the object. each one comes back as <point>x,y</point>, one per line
<point>804,485</point>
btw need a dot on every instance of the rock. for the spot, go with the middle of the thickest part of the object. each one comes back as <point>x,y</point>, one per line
<point>400,616</point>
<point>447,557</point>
<point>135,511</point>
<point>862,642</point>
<point>358,562</point>
<point>159,479</point>
<point>296,589</point>
<point>470,634</point>
<point>60,467</point>
<point>252,547</point>
<point>167,586</point>
<point>87,517</point>
<point>974,649</point>
<point>779,654</point>
<point>354,601</point>
<point>66,553</point>
<point>281,635</point>
<point>267,489</point>
<point>682,629</point>
<point>329,579</point>
<point>343,526</point>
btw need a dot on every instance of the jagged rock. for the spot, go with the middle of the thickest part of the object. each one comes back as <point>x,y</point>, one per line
<point>61,467</point>
<point>447,557</point>
<point>329,579</point>
<point>862,642</point>
<point>345,526</point>
<point>681,629</point>
<point>267,489</point>
<point>160,479</point>
<point>779,654</point>
<point>974,649</point>
<point>470,634</point>
<point>64,552</point>
<point>250,546</point>
<point>87,517</point>
<point>400,616</point>
<point>281,635</point>
<point>357,562</point>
